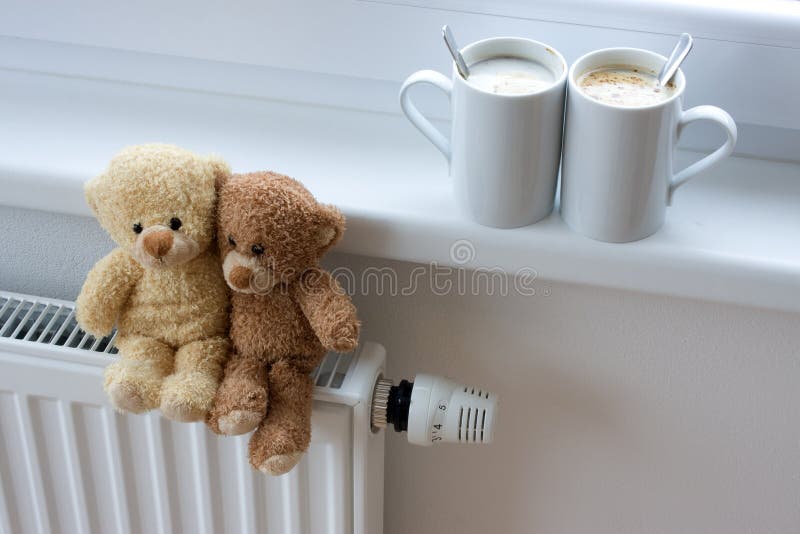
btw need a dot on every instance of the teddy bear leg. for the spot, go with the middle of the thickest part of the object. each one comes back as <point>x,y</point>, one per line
<point>133,383</point>
<point>187,394</point>
<point>241,400</point>
<point>282,438</point>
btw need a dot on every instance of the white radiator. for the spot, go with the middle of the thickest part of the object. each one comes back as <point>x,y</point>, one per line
<point>69,463</point>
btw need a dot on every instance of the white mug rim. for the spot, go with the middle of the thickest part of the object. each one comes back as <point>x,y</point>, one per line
<point>556,85</point>
<point>575,88</point>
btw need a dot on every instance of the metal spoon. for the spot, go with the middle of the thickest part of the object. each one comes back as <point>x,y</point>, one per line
<point>450,41</point>
<point>677,56</point>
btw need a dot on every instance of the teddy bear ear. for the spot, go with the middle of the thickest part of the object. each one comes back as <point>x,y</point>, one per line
<point>331,228</point>
<point>90,193</point>
<point>221,170</point>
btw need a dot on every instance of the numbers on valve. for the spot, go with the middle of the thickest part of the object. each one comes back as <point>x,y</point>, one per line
<point>438,422</point>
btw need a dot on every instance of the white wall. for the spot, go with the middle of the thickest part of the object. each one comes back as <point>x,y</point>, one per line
<point>621,412</point>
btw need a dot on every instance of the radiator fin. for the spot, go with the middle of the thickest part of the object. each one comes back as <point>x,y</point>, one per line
<point>84,472</point>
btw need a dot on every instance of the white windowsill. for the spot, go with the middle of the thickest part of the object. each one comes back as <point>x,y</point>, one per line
<point>731,235</point>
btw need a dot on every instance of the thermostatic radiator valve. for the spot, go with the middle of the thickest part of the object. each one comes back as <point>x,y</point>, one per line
<point>434,409</point>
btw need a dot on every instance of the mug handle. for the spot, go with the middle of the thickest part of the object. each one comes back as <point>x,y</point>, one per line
<point>418,119</point>
<point>714,114</point>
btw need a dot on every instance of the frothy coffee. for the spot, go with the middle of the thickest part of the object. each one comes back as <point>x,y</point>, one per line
<point>624,86</point>
<point>510,76</point>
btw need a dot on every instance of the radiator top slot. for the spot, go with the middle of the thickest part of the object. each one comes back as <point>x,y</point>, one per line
<point>50,322</point>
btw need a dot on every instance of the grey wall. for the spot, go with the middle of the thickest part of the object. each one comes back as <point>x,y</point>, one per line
<point>48,254</point>
<point>621,412</point>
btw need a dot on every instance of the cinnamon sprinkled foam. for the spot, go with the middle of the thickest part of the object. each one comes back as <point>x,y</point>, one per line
<point>624,86</point>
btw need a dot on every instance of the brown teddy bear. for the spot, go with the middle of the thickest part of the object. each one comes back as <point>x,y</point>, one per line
<point>286,312</point>
<point>163,286</point>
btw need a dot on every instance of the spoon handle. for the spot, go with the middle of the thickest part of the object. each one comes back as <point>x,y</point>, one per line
<point>450,41</point>
<point>677,56</point>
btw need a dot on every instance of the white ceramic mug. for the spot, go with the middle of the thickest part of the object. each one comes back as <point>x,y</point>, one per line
<point>616,175</point>
<point>504,150</point>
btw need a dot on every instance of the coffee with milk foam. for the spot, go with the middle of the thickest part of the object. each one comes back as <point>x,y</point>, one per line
<point>624,86</point>
<point>507,75</point>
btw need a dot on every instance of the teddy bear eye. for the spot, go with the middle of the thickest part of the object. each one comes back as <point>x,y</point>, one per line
<point>137,228</point>
<point>175,223</point>
<point>231,242</point>
<point>257,249</point>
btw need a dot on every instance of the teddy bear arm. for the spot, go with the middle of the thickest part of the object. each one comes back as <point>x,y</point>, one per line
<point>105,292</point>
<point>329,311</point>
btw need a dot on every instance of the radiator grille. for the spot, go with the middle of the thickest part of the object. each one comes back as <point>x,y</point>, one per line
<point>37,320</point>
<point>42,321</point>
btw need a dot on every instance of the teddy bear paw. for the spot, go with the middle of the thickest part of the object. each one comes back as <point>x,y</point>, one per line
<point>345,338</point>
<point>187,397</point>
<point>280,463</point>
<point>182,411</point>
<point>96,327</point>
<point>132,386</point>
<point>239,422</point>
<point>239,406</point>
<point>126,398</point>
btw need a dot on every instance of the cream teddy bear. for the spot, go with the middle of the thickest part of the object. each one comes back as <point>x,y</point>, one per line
<point>163,286</point>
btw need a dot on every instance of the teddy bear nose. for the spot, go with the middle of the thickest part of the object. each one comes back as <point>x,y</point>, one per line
<point>240,277</point>
<point>157,244</point>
